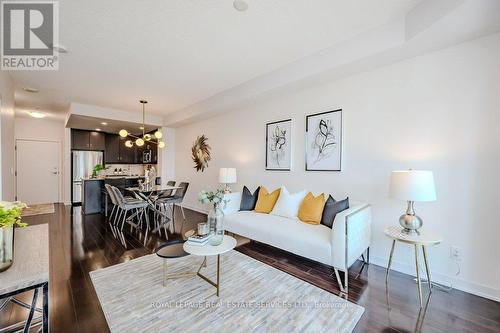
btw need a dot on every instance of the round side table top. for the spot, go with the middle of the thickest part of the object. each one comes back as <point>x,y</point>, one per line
<point>172,249</point>
<point>228,243</point>
<point>423,238</point>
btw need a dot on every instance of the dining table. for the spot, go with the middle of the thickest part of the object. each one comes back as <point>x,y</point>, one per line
<point>150,194</point>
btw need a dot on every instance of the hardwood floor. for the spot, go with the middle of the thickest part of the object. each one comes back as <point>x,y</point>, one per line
<point>80,244</point>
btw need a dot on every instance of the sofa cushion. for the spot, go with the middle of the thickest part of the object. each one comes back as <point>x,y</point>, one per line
<point>311,208</point>
<point>288,204</point>
<point>248,200</point>
<point>307,240</point>
<point>266,200</point>
<point>332,208</point>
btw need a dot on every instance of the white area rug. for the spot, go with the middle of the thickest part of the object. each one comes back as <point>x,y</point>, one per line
<point>254,297</point>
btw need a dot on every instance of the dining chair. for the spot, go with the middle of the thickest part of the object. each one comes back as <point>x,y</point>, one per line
<point>172,201</point>
<point>126,205</point>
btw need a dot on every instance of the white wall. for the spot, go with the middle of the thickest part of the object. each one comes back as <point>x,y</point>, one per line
<point>439,111</point>
<point>48,130</point>
<point>7,160</point>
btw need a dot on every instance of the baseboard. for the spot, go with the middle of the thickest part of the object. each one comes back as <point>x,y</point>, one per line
<point>443,279</point>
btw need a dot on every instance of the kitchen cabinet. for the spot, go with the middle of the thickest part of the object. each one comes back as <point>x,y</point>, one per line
<point>87,140</point>
<point>117,153</point>
<point>127,155</point>
<point>112,151</point>
<point>97,141</point>
<point>80,139</point>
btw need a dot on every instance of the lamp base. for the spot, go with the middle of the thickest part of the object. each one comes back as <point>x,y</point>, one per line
<point>410,224</point>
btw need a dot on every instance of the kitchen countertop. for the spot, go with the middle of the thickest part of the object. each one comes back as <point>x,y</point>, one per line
<point>112,177</point>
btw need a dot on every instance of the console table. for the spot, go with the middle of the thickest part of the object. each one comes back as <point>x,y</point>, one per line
<point>29,271</point>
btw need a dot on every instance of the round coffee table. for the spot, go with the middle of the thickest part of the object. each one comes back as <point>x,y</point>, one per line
<point>171,250</point>
<point>228,243</point>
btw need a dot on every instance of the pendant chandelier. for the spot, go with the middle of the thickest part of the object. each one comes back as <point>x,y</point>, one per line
<point>139,141</point>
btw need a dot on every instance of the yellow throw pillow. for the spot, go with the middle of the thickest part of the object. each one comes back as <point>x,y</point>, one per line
<point>266,200</point>
<point>311,208</point>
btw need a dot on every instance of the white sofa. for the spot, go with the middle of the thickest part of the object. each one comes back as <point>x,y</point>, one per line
<point>338,247</point>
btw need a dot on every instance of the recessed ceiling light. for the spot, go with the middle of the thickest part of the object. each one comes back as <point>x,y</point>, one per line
<point>36,114</point>
<point>104,123</point>
<point>59,49</point>
<point>98,129</point>
<point>240,5</point>
<point>30,90</point>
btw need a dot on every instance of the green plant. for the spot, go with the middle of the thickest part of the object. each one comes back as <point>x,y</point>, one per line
<point>214,197</point>
<point>10,214</point>
<point>97,168</point>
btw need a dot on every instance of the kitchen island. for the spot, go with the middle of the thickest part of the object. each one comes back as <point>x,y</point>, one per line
<point>95,198</point>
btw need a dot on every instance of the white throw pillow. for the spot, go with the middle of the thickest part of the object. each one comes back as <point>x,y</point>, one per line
<point>288,204</point>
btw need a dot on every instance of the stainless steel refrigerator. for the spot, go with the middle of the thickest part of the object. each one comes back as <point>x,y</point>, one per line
<point>83,163</point>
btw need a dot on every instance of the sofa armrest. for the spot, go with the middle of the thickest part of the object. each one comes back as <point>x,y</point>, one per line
<point>351,235</point>
<point>233,203</point>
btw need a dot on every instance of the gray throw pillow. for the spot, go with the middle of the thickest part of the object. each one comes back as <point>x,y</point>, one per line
<point>332,208</point>
<point>249,200</point>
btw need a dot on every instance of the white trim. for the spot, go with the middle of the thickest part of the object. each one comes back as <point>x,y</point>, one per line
<point>444,279</point>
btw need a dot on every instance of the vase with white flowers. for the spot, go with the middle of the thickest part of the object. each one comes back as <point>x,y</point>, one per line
<point>10,217</point>
<point>215,217</point>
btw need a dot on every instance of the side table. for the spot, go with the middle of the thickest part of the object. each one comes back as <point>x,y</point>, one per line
<point>423,239</point>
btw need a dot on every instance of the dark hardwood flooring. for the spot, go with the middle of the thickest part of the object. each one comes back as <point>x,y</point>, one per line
<point>80,244</point>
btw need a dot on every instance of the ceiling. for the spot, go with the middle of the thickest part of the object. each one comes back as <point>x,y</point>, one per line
<point>177,53</point>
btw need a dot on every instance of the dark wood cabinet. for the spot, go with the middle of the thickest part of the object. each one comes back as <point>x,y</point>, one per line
<point>112,151</point>
<point>127,155</point>
<point>80,139</point>
<point>87,140</point>
<point>97,141</point>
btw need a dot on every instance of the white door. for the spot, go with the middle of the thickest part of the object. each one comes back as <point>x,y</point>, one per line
<point>37,171</point>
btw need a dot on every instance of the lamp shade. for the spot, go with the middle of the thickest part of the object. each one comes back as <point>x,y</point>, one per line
<point>413,185</point>
<point>227,175</point>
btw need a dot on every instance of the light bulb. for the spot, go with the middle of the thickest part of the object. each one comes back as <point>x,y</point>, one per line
<point>123,133</point>
<point>161,144</point>
<point>139,142</point>
<point>147,137</point>
<point>129,144</point>
<point>158,135</point>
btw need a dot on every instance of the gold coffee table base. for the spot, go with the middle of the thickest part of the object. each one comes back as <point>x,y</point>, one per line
<point>167,276</point>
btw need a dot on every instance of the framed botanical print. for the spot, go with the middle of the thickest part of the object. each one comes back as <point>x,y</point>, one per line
<point>324,141</point>
<point>279,145</point>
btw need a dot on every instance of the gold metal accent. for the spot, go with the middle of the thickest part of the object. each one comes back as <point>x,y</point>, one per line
<point>427,268</point>
<point>419,282</point>
<point>390,262</point>
<point>167,276</point>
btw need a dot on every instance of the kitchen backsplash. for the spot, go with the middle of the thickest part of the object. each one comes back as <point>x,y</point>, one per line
<point>127,169</point>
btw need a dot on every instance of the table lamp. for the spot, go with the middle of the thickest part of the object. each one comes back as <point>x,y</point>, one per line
<point>412,185</point>
<point>227,176</point>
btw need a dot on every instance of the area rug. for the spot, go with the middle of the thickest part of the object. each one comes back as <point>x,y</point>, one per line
<point>38,209</point>
<point>254,297</point>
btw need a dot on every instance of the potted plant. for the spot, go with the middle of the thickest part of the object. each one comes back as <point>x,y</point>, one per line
<point>98,168</point>
<point>215,215</point>
<point>10,216</point>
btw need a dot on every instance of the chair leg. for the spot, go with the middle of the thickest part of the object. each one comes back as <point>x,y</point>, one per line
<point>343,287</point>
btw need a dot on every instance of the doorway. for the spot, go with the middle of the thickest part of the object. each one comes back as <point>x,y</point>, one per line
<point>37,174</point>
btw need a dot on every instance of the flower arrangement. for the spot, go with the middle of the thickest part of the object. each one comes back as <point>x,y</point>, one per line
<point>10,214</point>
<point>214,197</point>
